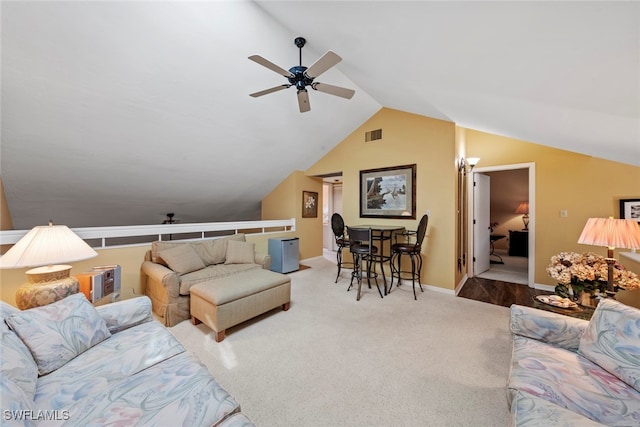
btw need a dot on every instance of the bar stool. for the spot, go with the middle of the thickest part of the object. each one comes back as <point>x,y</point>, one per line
<point>342,241</point>
<point>363,251</point>
<point>413,250</point>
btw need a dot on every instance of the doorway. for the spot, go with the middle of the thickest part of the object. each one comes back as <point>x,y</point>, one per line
<point>331,203</point>
<point>503,220</point>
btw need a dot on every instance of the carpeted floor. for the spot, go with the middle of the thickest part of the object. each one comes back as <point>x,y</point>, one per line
<point>334,361</point>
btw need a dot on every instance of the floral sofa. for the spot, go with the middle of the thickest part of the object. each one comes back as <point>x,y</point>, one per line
<point>571,372</point>
<point>72,364</point>
<point>172,268</point>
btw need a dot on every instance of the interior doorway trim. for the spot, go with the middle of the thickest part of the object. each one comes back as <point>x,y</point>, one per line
<point>532,215</point>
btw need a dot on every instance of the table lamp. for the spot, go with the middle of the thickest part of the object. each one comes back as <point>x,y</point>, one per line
<point>523,208</point>
<point>612,233</point>
<point>45,247</point>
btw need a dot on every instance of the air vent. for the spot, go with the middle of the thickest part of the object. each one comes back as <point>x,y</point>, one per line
<point>373,135</point>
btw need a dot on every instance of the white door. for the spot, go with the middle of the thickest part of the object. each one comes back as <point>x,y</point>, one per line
<point>481,221</point>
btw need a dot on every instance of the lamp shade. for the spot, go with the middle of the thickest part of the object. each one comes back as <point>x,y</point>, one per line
<point>611,232</point>
<point>523,208</point>
<point>47,245</point>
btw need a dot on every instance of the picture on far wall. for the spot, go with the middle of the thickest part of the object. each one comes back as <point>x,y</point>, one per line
<point>388,192</point>
<point>630,209</point>
<point>309,204</point>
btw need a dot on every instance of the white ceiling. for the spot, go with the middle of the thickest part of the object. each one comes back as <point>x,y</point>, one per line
<point>119,112</point>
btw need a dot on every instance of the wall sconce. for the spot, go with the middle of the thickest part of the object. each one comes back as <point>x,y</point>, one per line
<point>467,165</point>
<point>523,209</point>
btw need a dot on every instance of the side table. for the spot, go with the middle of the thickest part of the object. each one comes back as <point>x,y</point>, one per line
<point>580,312</point>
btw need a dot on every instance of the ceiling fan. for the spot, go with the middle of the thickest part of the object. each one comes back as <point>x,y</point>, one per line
<point>301,77</point>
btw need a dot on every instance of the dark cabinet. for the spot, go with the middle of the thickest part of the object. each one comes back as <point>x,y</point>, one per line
<point>519,243</point>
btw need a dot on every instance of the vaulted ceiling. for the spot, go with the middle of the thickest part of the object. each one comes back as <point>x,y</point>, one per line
<point>117,113</point>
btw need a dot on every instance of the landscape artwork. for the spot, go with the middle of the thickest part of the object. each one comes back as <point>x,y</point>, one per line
<point>388,192</point>
<point>630,209</point>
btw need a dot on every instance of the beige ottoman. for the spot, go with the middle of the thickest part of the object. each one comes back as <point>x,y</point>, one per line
<point>222,303</point>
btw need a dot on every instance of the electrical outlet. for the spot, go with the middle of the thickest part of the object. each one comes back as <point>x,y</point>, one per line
<point>563,213</point>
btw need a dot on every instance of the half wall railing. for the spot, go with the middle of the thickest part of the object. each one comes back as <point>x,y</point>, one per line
<point>134,235</point>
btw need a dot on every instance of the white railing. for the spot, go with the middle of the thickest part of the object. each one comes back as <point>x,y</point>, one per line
<point>160,231</point>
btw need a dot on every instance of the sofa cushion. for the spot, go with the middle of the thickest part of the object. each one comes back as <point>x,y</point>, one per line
<point>240,253</point>
<point>15,401</point>
<point>58,332</point>
<point>567,379</point>
<point>211,251</point>
<point>214,251</point>
<point>122,355</point>
<point>182,259</point>
<point>177,392</point>
<point>612,340</point>
<point>531,411</point>
<point>16,363</point>
<point>212,272</point>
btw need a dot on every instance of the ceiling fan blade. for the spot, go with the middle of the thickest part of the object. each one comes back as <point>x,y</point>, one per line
<point>303,101</point>
<point>270,65</point>
<point>325,62</point>
<point>334,90</point>
<point>268,91</point>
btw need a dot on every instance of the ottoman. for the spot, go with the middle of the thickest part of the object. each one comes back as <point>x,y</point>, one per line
<point>226,302</point>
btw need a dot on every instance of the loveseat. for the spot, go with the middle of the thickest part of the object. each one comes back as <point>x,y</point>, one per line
<point>172,268</point>
<point>70,363</point>
<point>572,372</point>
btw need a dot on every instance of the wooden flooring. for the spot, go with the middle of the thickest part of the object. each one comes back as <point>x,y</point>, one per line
<point>499,293</point>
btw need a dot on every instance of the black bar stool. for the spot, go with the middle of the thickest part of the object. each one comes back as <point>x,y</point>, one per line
<point>363,251</point>
<point>413,250</point>
<point>342,240</point>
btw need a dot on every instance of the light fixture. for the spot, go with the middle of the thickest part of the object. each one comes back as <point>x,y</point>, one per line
<point>467,165</point>
<point>612,233</point>
<point>523,208</point>
<point>45,247</point>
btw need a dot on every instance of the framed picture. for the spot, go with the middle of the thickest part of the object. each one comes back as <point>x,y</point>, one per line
<point>630,209</point>
<point>388,192</point>
<point>309,204</point>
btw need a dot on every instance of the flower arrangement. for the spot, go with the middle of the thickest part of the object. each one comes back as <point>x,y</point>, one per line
<point>588,272</point>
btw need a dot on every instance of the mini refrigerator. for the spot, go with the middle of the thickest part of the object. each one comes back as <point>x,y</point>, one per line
<point>284,254</point>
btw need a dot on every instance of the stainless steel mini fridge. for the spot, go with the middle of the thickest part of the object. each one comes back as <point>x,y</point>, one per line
<point>284,254</point>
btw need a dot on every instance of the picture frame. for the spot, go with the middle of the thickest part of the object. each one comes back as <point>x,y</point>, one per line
<point>388,192</point>
<point>309,204</point>
<point>630,209</point>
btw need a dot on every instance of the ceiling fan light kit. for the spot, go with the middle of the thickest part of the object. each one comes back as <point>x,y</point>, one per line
<point>301,77</point>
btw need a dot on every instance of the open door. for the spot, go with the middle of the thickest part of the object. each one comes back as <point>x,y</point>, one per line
<point>481,220</point>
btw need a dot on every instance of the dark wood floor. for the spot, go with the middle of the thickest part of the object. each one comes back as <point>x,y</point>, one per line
<point>499,293</point>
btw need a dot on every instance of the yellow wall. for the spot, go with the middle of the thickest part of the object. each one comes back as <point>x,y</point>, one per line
<point>285,201</point>
<point>584,186</point>
<point>406,139</point>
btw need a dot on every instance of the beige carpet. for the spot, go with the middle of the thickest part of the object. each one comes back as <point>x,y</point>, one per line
<point>333,361</point>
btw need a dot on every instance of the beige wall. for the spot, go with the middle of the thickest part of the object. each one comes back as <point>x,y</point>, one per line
<point>406,139</point>
<point>584,186</point>
<point>285,201</point>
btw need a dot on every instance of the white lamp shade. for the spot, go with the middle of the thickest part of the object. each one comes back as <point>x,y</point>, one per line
<point>611,232</point>
<point>47,245</point>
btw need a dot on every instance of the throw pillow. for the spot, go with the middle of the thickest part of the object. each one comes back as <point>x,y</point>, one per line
<point>611,340</point>
<point>240,253</point>
<point>182,259</point>
<point>58,332</point>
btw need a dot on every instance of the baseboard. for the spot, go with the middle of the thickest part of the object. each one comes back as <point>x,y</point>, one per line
<point>542,287</point>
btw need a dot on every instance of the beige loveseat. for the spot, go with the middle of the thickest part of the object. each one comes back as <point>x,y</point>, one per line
<point>171,268</point>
